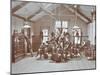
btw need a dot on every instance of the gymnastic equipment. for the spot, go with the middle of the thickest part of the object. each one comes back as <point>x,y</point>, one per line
<point>19,44</point>
<point>62,50</point>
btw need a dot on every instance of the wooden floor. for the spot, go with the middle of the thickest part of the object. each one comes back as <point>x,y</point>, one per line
<point>31,65</point>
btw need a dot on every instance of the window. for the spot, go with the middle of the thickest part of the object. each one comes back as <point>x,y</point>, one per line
<point>45,35</point>
<point>77,34</point>
<point>65,26</point>
<point>61,26</point>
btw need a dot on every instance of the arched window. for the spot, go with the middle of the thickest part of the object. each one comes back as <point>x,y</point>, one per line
<point>45,35</point>
<point>76,35</point>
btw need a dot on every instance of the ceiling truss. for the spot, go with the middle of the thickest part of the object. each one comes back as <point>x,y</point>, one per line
<point>19,7</point>
<point>71,8</point>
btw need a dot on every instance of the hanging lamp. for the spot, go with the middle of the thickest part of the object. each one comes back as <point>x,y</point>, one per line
<point>26,24</point>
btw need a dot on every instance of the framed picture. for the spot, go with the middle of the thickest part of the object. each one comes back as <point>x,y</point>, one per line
<point>52,37</point>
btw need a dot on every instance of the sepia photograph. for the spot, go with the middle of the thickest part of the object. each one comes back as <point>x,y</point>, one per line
<point>52,37</point>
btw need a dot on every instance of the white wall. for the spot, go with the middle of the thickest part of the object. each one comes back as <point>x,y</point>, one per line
<point>17,24</point>
<point>91,32</point>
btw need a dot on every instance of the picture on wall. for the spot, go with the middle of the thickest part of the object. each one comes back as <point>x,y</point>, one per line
<point>52,37</point>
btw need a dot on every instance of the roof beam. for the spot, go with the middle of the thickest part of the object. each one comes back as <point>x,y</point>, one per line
<point>20,17</point>
<point>43,9</point>
<point>79,14</point>
<point>49,13</point>
<point>19,6</point>
<point>34,14</point>
<point>84,15</point>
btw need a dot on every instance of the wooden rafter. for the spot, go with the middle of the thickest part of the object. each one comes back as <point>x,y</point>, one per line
<point>49,13</point>
<point>19,6</point>
<point>83,15</point>
<point>20,17</point>
<point>34,14</point>
<point>79,14</point>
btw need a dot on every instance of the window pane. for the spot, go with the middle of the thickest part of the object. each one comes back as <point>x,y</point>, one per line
<point>76,29</point>
<point>77,40</point>
<point>45,32</point>
<point>58,24</point>
<point>64,24</point>
<point>79,31</point>
<point>45,39</point>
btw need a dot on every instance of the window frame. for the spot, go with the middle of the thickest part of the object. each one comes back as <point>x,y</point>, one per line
<point>77,37</point>
<point>47,36</point>
<point>61,25</point>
